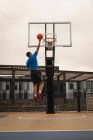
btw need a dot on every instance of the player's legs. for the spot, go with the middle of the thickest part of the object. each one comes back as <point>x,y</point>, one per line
<point>35,89</point>
<point>40,88</point>
<point>38,82</point>
<point>35,93</point>
<point>41,85</point>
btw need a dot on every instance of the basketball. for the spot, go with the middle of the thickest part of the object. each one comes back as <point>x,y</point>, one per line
<point>39,36</point>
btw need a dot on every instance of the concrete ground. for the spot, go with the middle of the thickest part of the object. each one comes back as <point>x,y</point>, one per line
<point>28,121</point>
<point>42,126</point>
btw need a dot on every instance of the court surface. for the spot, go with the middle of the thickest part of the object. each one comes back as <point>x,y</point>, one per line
<point>37,126</point>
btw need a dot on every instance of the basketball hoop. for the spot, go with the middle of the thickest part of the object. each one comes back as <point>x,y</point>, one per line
<point>49,42</point>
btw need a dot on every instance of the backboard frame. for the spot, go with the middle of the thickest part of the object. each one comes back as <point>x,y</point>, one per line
<point>45,32</point>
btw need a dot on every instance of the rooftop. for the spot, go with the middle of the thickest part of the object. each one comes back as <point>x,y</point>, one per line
<point>6,71</point>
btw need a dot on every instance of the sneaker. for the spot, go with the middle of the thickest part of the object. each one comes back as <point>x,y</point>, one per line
<point>39,96</point>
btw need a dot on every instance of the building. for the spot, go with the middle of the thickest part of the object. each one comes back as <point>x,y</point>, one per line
<point>19,78</point>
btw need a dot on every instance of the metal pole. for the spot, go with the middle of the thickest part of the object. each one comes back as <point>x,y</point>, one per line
<point>78,95</point>
<point>12,86</point>
<point>50,96</point>
<point>64,87</point>
<point>50,74</point>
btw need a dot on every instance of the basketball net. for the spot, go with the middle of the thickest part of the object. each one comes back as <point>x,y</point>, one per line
<point>49,42</point>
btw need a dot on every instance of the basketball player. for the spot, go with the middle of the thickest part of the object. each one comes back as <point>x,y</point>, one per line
<point>36,77</point>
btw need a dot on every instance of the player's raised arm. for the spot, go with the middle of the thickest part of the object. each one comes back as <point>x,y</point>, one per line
<point>39,37</point>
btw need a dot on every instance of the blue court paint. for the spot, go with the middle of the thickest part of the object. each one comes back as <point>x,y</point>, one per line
<point>47,135</point>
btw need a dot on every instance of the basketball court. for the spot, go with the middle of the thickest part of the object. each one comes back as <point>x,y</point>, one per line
<point>48,126</point>
<point>33,126</point>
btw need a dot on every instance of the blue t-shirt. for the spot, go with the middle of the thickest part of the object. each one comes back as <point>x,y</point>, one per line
<point>32,63</point>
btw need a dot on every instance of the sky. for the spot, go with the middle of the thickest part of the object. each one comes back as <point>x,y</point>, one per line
<point>15,16</point>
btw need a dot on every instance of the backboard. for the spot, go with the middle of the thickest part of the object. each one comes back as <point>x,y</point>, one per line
<point>61,29</point>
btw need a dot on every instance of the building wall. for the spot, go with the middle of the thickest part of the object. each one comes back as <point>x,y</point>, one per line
<point>71,88</point>
<point>24,90</point>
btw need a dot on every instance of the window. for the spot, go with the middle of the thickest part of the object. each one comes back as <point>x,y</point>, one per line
<point>15,87</point>
<point>71,86</point>
<point>7,87</point>
<point>88,84</point>
<point>19,87</point>
<point>55,87</point>
<point>61,87</point>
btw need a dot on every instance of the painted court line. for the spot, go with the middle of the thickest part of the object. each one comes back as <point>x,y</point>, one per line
<point>80,130</point>
<point>50,118</point>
